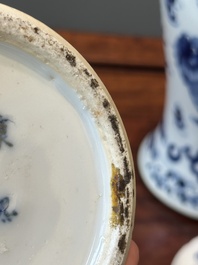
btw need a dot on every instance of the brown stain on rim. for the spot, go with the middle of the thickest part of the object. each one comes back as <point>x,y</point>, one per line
<point>71,59</point>
<point>115,126</point>
<point>36,30</point>
<point>106,103</point>
<point>117,193</point>
<point>122,243</point>
<point>94,83</point>
<point>87,72</point>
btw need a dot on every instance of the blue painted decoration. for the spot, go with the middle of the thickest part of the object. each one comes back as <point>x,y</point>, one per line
<point>5,215</point>
<point>173,183</point>
<point>176,154</point>
<point>162,130</point>
<point>173,153</point>
<point>168,179</point>
<point>187,61</point>
<point>3,131</point>
<point>193,160</point>
<point>195,120</point>
<point>178,117</point>
<point>152,147</point>
<point>170,6</point>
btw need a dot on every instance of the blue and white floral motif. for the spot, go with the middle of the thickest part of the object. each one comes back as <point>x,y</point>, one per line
<point>162,130</point>
<point>174,154</point>
<point>172,182</point>
<point>153,150</point>
<point>168,156</point>
<point>3,131</point>
<point>170,5</point>
<point>195,120</point>
<point>187,59</point>
<point>5,215</point>
<point>193,159</point>
<point>179,119</point>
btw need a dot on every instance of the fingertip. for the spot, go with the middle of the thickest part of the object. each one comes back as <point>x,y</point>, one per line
<point>133,256</point>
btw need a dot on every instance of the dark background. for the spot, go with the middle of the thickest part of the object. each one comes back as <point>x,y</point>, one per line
<point>128,17</point>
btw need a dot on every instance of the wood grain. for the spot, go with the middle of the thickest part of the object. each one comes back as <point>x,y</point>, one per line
<point>132,70</point>
<point>117,50</point>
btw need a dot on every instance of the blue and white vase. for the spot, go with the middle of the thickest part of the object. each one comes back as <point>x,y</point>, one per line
<point>168,156</point>
<point>187,254</point>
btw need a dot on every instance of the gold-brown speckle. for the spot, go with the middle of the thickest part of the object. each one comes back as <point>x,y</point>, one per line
<point>117,192</point>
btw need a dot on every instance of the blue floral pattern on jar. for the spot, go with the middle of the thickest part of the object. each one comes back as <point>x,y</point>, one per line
<point>187,61</point>
<point>172,182</point>
<point>178,117</point>
<point>168,157</point>
<point>170,6</point>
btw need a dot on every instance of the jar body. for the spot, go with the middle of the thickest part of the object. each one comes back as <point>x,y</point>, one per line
<point>168,156</point>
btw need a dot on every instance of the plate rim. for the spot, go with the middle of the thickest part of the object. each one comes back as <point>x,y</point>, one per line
<point>37,39</point>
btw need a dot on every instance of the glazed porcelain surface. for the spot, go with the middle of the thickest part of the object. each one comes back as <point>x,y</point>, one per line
<point>168,157</point>
<point>188,254</point>
<point>67,193</point>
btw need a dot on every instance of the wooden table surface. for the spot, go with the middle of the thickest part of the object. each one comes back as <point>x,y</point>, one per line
<point>133,71</point>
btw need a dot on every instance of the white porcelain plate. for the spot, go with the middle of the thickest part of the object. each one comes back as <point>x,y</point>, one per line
<point>67,189</point>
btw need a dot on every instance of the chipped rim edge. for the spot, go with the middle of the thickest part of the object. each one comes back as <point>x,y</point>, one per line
<point>37,39</point>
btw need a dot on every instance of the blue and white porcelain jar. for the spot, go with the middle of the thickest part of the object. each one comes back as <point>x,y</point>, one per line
<point>168,156</point>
